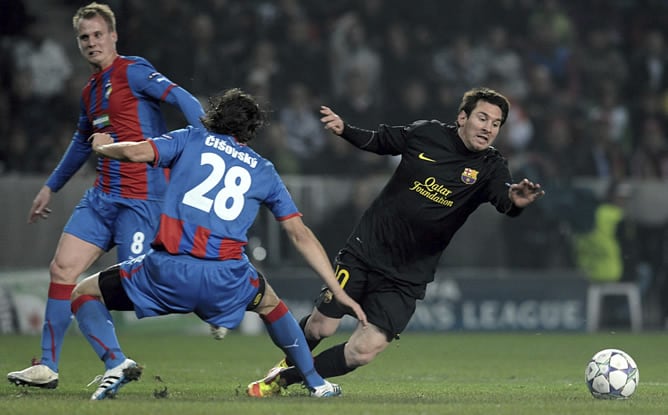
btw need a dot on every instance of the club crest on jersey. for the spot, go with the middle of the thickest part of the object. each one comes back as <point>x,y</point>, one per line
<point>469,176</point>
<point>107,90</point>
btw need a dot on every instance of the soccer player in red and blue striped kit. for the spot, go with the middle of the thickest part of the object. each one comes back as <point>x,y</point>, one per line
<point>122,98</point>
<point>197,264</point>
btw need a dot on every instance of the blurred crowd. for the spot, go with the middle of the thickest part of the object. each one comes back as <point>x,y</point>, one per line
<point>588,80</point>
<point>588,83</point>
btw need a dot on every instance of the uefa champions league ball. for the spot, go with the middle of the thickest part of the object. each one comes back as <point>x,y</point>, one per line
<point>611,374</point>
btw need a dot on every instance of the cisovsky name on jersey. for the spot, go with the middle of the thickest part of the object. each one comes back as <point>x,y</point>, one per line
<point>221,145</point>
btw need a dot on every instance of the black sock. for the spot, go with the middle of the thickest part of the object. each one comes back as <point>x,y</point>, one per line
<point>291,376</point>
<point>330,363</point>
<point>312,344</point>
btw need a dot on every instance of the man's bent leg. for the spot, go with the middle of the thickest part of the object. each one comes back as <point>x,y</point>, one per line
<point>319,328</point>
<point>362,347</point>
<point>73,256</point>
<point>286,334</point>
<point>96,324</point>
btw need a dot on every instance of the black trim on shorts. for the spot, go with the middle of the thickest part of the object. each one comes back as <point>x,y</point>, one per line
<point>112,290</point>
<point>257,299</point>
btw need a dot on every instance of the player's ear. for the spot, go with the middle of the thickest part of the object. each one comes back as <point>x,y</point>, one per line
<point>461,118</point>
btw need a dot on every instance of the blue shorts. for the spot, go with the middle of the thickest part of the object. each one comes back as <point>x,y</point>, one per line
<point>107,221</point>
<point>218,292</point>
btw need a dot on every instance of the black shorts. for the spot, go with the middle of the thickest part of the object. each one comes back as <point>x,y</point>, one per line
<point>386,305</point>
<point>113,294</point>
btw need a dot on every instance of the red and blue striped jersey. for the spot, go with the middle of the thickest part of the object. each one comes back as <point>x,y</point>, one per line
<point>216,188</point>
<point>124,101</point>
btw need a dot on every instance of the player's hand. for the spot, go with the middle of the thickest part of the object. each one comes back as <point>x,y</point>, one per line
<point>40,205</point>
<point>218,333</point>
<point>332,122</point>
<point>100,139</point>
<point>525,192</point>
<point>345,300</point>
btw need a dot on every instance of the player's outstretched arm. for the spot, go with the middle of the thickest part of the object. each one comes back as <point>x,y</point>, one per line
<point>40,205</point>
<point>332,121</point>
<point>311,248</point>
<point>138,152</point>
<point>525,192</point>
<point>189,105</point>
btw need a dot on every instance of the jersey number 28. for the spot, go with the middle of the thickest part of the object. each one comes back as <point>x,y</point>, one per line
<point>229,200</point>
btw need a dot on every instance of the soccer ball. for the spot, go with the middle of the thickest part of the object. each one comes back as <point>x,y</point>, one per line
<point>611,374</point>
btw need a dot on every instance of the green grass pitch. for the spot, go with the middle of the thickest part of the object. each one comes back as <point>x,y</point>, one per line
<point>450,373</point>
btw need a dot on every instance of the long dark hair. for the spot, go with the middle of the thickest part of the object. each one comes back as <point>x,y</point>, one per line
<point>234,113</point>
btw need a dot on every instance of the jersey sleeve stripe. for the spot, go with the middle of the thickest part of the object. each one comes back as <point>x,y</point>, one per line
<point>282,218</point>
<point>164,94</point>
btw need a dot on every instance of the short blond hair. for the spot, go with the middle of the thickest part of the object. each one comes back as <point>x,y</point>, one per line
<point>95,9</point>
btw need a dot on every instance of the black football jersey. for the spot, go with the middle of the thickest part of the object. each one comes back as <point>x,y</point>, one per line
<point>434,189</point>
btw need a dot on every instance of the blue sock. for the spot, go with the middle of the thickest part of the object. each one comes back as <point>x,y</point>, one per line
<point>97,326</point>
<point>57,319</point>
<point>286,334</point>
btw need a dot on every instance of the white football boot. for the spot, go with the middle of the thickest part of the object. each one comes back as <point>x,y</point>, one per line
<point>114,378</point>
<point>39,376</point>
<point>328,390</point>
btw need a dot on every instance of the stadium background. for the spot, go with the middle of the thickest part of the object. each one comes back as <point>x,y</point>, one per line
<point>588,82</point>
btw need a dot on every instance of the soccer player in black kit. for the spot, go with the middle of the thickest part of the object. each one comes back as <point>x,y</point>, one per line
<point>446,172</point>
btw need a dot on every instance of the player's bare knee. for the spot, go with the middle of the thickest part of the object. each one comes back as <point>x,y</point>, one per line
<point>316,332</point>
<point>89,286</point>
<point>57,273</point>
<point>76,293</point>
<point>319,327</point>
<point>364,345</point>
<point>359,355</point>
<point>61,274</point>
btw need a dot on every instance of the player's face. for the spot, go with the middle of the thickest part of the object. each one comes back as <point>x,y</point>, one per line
<point>96,42</point>
<point>479,130</point>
